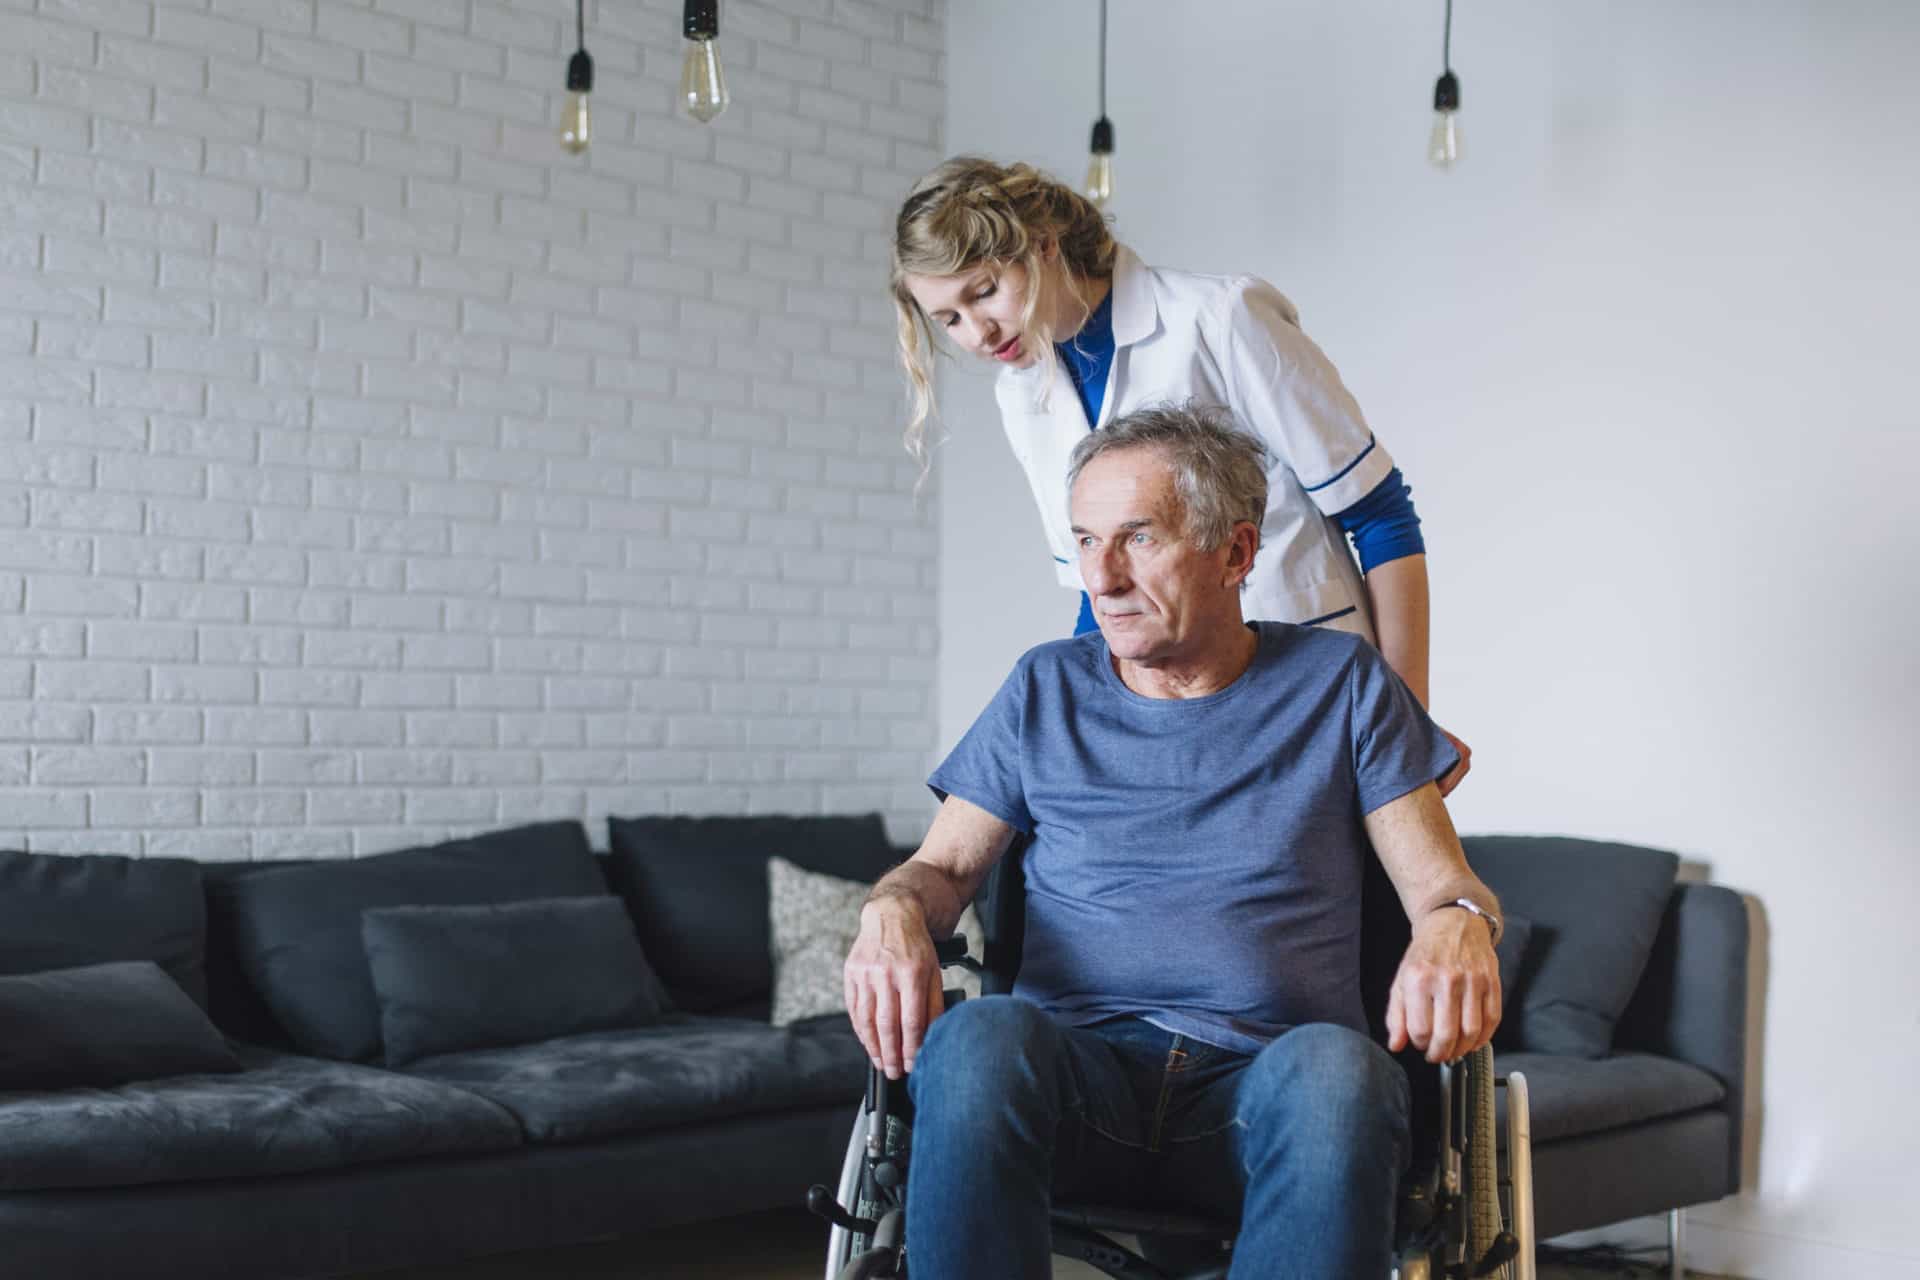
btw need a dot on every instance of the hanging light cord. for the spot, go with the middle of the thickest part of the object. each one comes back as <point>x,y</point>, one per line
<point>1103,58</point>
<point>1446,39</point>
<point>580,17</point>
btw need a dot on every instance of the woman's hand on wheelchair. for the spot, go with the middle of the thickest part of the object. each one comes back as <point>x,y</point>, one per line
<point>1446,997</point>
<point>892,983</point>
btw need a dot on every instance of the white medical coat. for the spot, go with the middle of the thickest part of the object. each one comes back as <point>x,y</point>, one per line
<point>1233,342</point>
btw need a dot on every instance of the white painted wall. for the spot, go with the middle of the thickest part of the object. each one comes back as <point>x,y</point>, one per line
<point>1647,360</point>
<point>370,470</point>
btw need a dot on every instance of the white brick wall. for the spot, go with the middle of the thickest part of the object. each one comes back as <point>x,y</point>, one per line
<point>371,471</point>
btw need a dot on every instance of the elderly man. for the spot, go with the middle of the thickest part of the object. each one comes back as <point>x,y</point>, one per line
<point>1201,793</point>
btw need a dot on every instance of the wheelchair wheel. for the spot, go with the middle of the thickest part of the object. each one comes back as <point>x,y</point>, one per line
<point>1520,1172</point>
<point>1482,1171</point>
<point>843,1245</point>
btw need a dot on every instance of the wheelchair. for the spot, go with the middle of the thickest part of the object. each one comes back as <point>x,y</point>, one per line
<point>1463,1210</point>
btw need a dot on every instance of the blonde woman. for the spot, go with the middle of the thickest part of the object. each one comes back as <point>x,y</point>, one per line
<point>1015,267</point>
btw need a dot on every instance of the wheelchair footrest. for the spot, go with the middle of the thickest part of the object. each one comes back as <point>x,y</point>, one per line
<point>1089,1246</point>
<point>1135,1222</point>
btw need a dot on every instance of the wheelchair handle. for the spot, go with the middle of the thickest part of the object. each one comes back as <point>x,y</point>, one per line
<point>821,1204</point>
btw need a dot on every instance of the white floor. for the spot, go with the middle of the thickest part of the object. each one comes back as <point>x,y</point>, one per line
<point>763,1246</point>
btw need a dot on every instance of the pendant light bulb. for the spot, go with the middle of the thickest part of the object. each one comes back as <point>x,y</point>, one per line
<point>1100,163</point>
<point>576,129</point>
<point>576,124</point>
<point>703,87</point>
<point>1443,144</point>
<point>702,84</point>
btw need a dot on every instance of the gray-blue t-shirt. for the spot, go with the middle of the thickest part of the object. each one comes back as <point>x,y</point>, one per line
<point>1197,862</point>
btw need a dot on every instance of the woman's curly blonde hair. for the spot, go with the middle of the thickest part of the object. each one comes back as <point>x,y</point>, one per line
<point>972,210</point>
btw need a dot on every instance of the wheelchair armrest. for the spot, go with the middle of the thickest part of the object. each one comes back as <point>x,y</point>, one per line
<point>952,951</point>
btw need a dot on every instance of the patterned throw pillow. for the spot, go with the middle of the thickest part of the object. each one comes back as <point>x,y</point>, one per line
<point>815,919</point>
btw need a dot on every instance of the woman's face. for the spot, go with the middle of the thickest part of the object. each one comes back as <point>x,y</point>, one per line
<point>980,310</point>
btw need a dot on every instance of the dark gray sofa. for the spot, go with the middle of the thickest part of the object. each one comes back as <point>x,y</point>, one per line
<point>1653,1122</point>
<point>302,1165</point>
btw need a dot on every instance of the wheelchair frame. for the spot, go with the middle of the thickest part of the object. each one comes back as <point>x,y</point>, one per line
<point>1462,1219</point>
<point>1459,1214</point>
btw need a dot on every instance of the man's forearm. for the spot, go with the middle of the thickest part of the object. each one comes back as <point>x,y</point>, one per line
<point>924,889</point>
<point>1467,888</point>
<point>938,881</point>
<point>1415,840</point>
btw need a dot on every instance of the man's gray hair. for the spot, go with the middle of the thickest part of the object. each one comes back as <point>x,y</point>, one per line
<point>1219,471</point>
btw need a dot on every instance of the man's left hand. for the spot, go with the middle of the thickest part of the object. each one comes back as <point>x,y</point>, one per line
<point>1446,996</point>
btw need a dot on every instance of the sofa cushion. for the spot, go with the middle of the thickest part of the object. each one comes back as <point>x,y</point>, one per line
<point>814,920</point>
<point>1568,1097</point>
<point>1596,908</point>
<point>697,888</point>
<point>1516,931</point>
<point>297,930</point>
<point>59,911</point>
<point>103,1024</point>
<point>450,978</point>
<point>283,1114</point>
<point>679,1071</point>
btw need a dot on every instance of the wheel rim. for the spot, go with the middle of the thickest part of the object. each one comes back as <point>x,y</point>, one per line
<point>841,1243</point>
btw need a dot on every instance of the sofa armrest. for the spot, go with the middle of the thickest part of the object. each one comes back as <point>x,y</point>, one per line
<point>1691,1004</point>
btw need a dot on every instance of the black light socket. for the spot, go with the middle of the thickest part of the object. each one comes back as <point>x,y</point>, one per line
<point>1102,137</point>
<point>580,73</point>
<point>702,19</point>
<point>1446,93</point>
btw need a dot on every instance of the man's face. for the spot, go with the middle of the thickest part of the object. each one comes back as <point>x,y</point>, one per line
<point>1156,596</point>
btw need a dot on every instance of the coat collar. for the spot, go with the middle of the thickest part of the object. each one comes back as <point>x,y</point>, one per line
<point>1134,312</point>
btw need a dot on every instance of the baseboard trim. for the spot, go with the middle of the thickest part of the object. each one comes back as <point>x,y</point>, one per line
<point>1762,1255</point>
<point>1741,1253</point>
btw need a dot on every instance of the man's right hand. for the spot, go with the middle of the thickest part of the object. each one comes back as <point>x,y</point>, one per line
<point>893,983</point>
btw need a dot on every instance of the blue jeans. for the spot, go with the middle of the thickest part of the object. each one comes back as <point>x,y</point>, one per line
<point>1013,1109</point>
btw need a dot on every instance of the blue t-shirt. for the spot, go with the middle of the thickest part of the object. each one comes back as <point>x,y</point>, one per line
<point>1197,862</point>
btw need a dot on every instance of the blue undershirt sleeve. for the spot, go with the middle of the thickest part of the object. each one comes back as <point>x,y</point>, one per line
<point>1086,621</point>
<point>1383,524</point>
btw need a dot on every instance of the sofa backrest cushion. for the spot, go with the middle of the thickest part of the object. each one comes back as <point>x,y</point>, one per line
<point>474,977</point>
<point>813,920</point>
<point>99,1025</point>
<point>233,1002</point>
<point>1596,908</point>
<point>697,888</point>
<point>297,930</point>
<point>59,911</point>
<point>1516,934</point>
